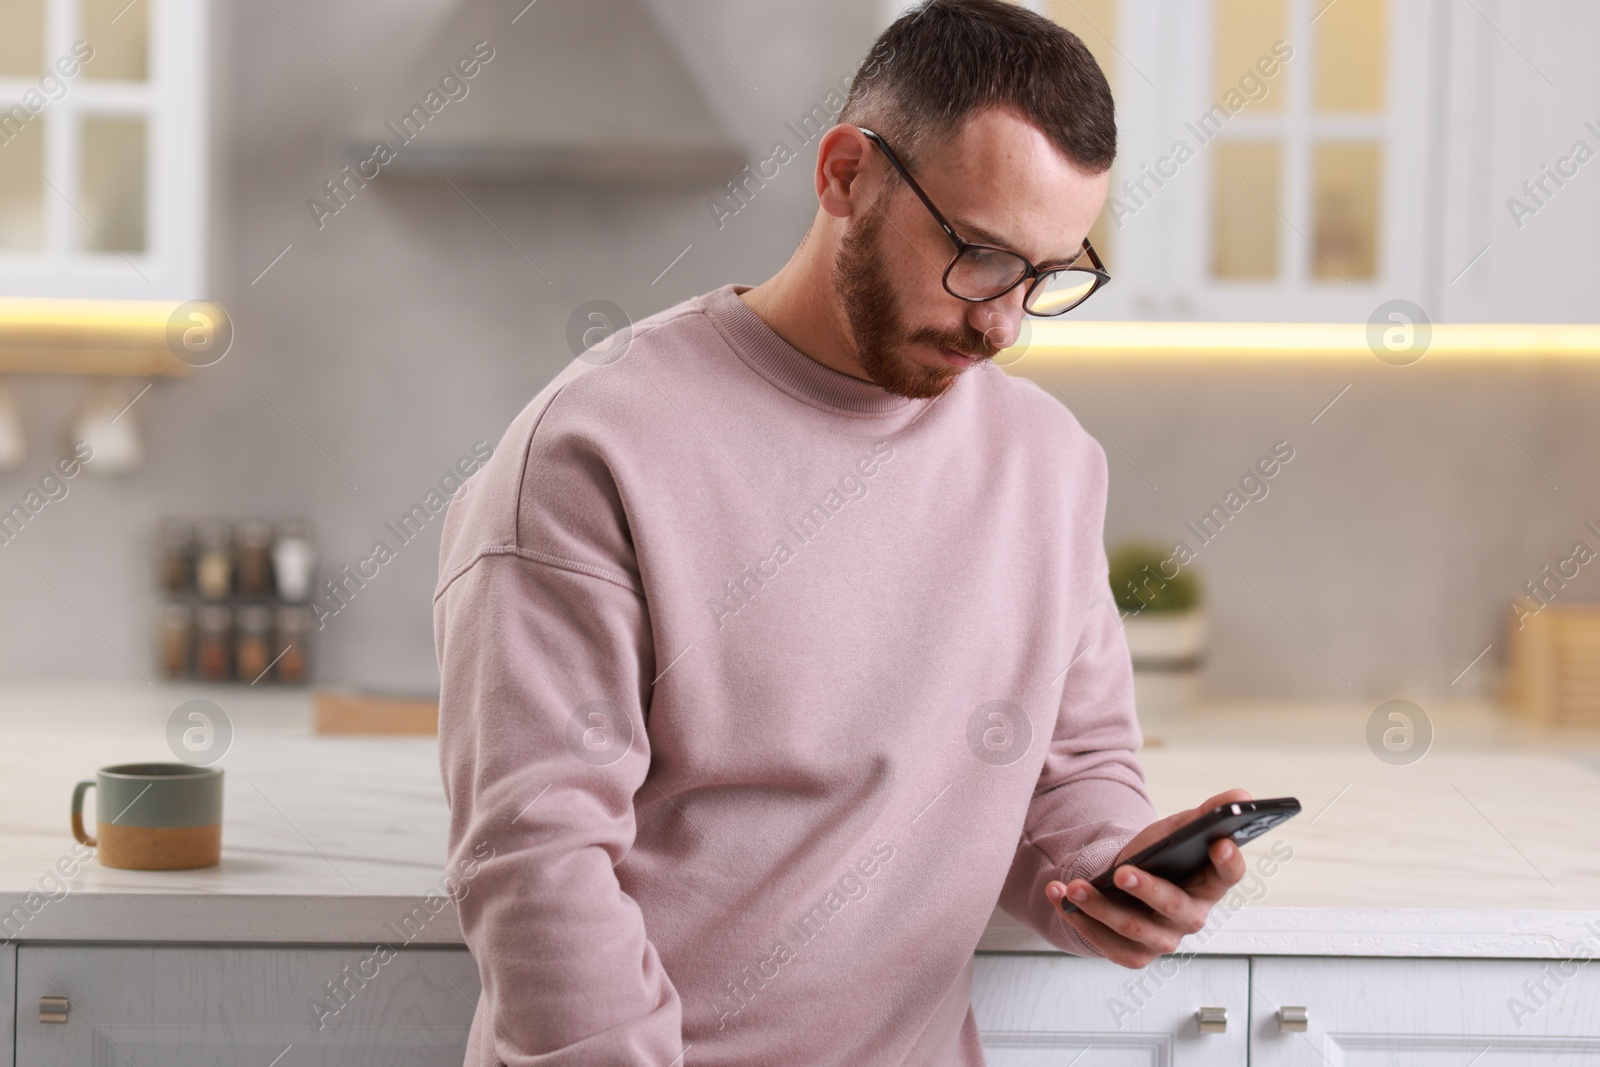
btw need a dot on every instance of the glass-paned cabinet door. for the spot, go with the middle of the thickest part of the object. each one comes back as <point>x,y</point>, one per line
<point>1304,194</point>
<point>1273,155</point>
<point>103,148</point>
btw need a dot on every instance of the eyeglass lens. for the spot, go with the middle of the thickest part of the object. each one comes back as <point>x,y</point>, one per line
<point>1060,290</point>
<point>981,273</point>
<point>984,273</point>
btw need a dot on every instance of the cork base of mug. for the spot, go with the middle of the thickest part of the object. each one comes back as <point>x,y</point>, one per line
<point>158,848</point>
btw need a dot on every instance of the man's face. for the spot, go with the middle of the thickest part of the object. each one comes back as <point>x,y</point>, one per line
<point>1000,182</point>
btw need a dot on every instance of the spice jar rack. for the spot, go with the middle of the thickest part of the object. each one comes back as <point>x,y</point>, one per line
<point>236,600</point>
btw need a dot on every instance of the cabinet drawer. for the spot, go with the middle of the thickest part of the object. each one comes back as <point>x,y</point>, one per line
<point>1044,1010</point>
<point>1427,1013</point>
<point>245,1007</point>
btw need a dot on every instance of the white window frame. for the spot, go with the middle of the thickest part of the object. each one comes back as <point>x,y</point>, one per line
<point>173,103</point>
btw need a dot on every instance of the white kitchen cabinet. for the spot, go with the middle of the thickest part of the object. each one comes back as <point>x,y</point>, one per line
<point>104,149</point>
<point>165,1006</point>
<point>8,997</point>
<point>1277,161</point>
<point>1044,1010</point>
<point>171,1006</point>
<point>1425,1013</point>
<point>1040,1010</point>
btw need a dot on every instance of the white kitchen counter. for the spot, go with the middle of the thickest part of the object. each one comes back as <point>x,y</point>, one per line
<point>324,838</point>
<point>1487,847</point>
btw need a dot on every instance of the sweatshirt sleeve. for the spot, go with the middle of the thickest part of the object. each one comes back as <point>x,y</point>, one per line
<point>545,664</point>
<point>1090,798</point>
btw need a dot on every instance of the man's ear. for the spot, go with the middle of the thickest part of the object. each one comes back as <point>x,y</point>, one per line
<point>841,166</point>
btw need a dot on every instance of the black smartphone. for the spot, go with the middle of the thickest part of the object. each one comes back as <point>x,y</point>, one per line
<point>1185,853</point>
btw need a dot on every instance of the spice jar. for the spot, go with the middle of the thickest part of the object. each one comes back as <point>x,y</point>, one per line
<point>177,556</point>
<point>214,568</point>
<point>294,561</point>
<point>252,646</point>
<point>253,577</point>
<point>177,640</point>
<point>213,651</point>
<point>294,640</point>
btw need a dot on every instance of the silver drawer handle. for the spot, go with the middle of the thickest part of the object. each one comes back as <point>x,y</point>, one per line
<point>53,1009</point>
<point>1292,1019</point>
<point>1212,1020</point>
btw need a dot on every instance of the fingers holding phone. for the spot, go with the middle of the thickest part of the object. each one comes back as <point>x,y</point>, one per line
<point>1164,883</point>
<point>1146,919</point>
<point>1227,869</point>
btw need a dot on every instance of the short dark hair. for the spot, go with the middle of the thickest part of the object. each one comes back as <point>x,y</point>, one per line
<point>944,61</point>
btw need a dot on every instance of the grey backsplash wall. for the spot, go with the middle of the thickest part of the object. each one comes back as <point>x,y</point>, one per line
<point>1380,563</point>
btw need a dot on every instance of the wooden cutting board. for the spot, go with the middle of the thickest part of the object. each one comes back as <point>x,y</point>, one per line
<point>336,712</point>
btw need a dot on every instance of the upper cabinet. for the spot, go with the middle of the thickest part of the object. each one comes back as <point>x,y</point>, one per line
<point>1274,156</point>
<point>103,148</point>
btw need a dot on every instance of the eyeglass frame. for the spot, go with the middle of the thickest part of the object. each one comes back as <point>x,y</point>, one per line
<point>1037,274</point>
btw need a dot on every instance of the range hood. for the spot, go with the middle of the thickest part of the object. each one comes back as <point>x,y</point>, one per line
<point>575,91</point>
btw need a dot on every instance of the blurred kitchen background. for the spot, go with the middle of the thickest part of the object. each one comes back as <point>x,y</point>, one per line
<point>1399,150</point>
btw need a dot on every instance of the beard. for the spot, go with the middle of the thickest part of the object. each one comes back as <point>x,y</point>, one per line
<point>876,326</point>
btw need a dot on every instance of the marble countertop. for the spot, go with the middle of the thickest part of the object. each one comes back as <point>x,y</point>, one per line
<point>324,838</point>
<point>1487,846</point>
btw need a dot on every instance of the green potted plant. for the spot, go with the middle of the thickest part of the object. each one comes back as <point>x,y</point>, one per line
<point>1165,623</point>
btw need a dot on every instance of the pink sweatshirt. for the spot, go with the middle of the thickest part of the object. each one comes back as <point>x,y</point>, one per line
<point>762,686</point>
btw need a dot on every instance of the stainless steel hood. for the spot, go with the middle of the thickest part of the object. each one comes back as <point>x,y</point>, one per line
<point>574,91</point>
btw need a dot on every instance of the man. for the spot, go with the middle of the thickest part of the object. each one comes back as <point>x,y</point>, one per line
<point>779,650</point>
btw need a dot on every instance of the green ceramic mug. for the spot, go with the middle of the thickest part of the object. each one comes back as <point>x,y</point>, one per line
<point>153,816</point>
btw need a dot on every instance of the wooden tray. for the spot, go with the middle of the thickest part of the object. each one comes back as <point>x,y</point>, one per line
<point>1555,666</point>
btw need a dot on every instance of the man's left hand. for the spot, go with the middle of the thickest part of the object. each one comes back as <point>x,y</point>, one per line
<point>1134,936</point>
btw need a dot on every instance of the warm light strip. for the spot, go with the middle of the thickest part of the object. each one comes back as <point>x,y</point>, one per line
<point>56,336</point>
<point>1076,340</point>
<point>39,335</point>
<point>50,313</point>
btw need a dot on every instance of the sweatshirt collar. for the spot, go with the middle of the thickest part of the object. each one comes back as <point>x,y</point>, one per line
<point>790,369</point>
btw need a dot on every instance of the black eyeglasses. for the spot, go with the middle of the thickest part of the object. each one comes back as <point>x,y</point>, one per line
<point>981,272</point>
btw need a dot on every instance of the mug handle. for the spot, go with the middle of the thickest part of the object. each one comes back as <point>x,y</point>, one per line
<point>77,813</point>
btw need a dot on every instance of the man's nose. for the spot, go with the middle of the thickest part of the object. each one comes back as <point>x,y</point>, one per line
<point>1000,319</point>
